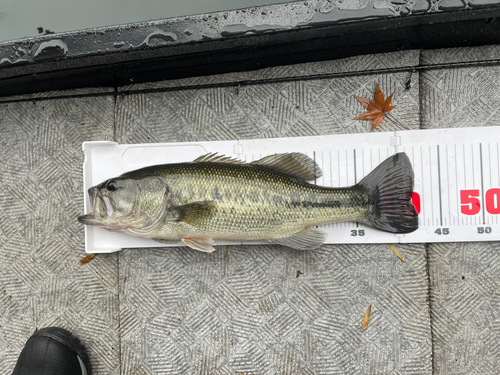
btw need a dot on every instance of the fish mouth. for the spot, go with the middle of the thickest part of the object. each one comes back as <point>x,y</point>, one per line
<point>102,209</point>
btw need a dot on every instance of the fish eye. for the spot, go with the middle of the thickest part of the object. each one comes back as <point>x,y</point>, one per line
<point>111,186</point>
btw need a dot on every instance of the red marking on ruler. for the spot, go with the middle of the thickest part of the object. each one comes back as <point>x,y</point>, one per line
<point>493,201</point>
<point>469,200</point>
<point>415,199</point>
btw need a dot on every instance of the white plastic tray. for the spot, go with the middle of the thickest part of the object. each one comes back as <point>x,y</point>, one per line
<point>455,171</point>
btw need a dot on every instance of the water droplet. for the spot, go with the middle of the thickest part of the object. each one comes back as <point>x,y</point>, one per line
<point>159,37</point>
<point>5,61</point>
<point>51,49</point>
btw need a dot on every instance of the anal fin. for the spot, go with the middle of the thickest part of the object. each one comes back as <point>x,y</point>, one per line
<point>308,239</point>
<point>203,244</point>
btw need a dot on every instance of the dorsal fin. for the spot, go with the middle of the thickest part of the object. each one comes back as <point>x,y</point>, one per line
<point>294,163</point>
<point>215,158</point>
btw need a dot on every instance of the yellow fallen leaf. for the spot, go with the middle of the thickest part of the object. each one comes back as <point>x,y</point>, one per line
<point>86,259</point>
<point>396,251</point>
<point>366,318</point>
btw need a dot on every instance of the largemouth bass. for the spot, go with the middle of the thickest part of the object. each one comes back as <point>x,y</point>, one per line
<point>219,198</point>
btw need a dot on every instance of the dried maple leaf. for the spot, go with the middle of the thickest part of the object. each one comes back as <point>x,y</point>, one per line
<point>376,109</point>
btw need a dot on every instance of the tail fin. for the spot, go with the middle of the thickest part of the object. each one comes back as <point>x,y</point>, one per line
<point>390,189</point>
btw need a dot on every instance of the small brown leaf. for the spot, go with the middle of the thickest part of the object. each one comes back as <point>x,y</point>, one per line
<point>398,254</point>
<point>366,318</point>
<point>227,251</point>
<point>299,273</point>
<point>376,109</point>
<point>87,259</point>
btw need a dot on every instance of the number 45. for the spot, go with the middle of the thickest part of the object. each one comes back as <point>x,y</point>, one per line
<point>443,231</point>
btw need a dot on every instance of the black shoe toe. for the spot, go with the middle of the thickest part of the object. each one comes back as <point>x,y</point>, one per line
<point>53,351</point>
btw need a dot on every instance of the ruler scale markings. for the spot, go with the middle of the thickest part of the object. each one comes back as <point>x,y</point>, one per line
<point>423,192</point>
<point>489,163</point>
<point>464,164</point>
<point>465,181</point>
<point>355,177</point>
<point>475,218</point>
<point>473,169</point>
<point>498,173</point>
<point>413,164</point>
<point>363,162</point>
<point>315,182</point>
<point>459,219</point>
<point>371,159</point>
<point>326,183</point>
<point>473,177</point>
<point>485,165</point>
<point>346,168</point>
<point>431,186</point>
<point>314,157</point>
<point>338,165</point>
<point>331,170</point>
<point>439,186</point>
<point>448,181</point>
<point>482,181</point>
<point>323,179</point>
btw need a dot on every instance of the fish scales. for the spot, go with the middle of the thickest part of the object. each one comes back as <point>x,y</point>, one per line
<point>254,202</point>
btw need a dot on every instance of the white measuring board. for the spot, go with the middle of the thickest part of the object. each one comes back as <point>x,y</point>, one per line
<point>457,179</point>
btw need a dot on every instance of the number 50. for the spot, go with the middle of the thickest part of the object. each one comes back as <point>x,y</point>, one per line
<point>470,204</point>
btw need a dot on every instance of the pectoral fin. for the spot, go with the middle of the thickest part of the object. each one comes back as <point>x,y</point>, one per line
<point>200,244</point>
<point>196,213</point>
<point>308,239</point>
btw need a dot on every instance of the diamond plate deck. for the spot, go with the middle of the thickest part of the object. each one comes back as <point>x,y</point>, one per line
<point>194,313</point>
<point>461,97</point>
<point>464,277</point>
<point>41,283</point>
<point>179,311</point>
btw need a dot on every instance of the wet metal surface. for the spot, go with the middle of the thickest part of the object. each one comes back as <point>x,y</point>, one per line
<point>240,40</point>
<point>146,36</point>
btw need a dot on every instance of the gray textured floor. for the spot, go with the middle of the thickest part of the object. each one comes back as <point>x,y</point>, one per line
<point>41,283</point>
<point>179,311</point>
